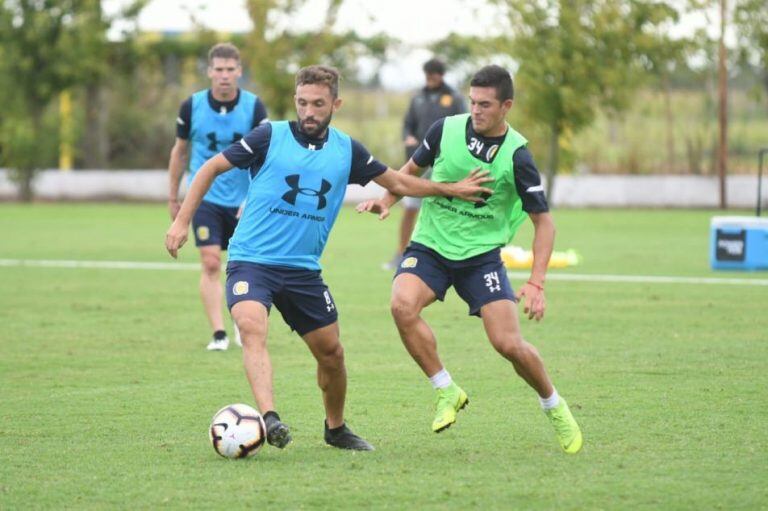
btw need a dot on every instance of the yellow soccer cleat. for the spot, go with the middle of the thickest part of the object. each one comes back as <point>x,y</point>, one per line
<point>566,428</point>
<point>447,404</point>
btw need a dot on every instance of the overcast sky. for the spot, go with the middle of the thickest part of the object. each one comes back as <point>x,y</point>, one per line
<point>414,22</point>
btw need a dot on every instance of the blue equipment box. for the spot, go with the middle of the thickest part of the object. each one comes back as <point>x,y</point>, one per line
<point>738,243</point>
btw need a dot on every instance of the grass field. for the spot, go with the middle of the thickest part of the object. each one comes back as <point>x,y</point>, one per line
<point>107,389</point>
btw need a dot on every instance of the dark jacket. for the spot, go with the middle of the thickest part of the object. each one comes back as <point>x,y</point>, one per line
<point>428,106</point>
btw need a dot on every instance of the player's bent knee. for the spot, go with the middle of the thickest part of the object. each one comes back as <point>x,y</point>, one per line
<point>403,309</point>
<point>212,265</point>
<point>332,357</point>
<point>252,331</point>
<point>512,347</point>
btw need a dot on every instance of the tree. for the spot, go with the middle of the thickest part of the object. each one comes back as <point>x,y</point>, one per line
<point>724,13</point>
<point>722,116</point>
<point>751,22</point>
<point>664,57</point>
<point>277,54</point>
<point>46,47</point>
<point>578,56</point>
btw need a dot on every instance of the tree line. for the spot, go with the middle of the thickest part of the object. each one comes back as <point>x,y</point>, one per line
<point>571,60</point>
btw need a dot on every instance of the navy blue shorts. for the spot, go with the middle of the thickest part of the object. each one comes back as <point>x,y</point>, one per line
<point>214,224</point>
<point>478,280</point>
<point>300,295</point>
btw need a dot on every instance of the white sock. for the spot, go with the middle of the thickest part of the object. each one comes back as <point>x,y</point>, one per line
<point>551,401</point>
<point>441,379</point>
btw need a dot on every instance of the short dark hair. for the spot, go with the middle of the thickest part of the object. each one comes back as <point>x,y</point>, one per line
<point>323,75</point>
<point>434,66</point>
<point>223,51</point>
<point>496,77</point>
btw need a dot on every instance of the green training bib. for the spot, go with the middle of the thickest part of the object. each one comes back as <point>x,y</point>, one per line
<point>460,229</point>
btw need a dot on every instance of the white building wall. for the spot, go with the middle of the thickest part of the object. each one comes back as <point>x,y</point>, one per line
<point>570,191</point>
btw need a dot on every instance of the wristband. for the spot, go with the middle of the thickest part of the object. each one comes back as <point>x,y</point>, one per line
<point>540,288</point>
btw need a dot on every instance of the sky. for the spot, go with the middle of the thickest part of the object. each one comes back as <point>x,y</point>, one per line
<point>414,22</point>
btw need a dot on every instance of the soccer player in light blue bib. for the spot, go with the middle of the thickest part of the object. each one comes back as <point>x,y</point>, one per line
<point>209,121</point>
<point>299,174</point>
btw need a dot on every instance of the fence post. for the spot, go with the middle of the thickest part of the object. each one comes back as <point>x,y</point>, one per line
<point>762,153</point>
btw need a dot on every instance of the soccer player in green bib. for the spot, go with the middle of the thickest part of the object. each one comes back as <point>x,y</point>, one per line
<point>458,243</point>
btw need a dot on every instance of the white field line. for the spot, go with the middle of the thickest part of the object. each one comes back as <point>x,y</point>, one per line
<point>645,279</point>
<point>103,265</point>
<point>578,277</point>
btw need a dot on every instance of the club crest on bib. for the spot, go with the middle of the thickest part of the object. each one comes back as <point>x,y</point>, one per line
<point>203,233</point>
<point>240,288</point>
<point>409,262</point>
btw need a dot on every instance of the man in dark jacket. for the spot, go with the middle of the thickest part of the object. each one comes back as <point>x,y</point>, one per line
<point>431,103</point>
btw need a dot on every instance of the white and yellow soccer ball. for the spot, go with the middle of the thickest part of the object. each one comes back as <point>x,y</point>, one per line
<point>237,431</point>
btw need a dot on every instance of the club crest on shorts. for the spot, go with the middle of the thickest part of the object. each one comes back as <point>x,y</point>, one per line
<point>203,233</point>
<point>409,262</point>
<point>240,288</point>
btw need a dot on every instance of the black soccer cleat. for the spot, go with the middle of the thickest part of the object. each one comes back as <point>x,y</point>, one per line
<point>278,433</point>
<point>343,438</point>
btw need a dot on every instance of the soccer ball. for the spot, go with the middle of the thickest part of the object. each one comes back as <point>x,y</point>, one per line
<point>237,431</point>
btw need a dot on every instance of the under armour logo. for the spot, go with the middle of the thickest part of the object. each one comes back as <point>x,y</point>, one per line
<point>485,196</point>
<point>329,305</point>
<point>213,141</point>
<point>296,189</point>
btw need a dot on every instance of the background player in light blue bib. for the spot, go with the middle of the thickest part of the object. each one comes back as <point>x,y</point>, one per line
<point>299,173</point>
<point>209,121</point>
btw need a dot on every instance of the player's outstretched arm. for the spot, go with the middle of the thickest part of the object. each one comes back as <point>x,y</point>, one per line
<point>532,292</point>
<point>382,205</point>
<point>401,183</point>
<point>177,234</point>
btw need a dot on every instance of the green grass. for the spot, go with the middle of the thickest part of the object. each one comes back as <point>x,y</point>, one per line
<point>107,390</point>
